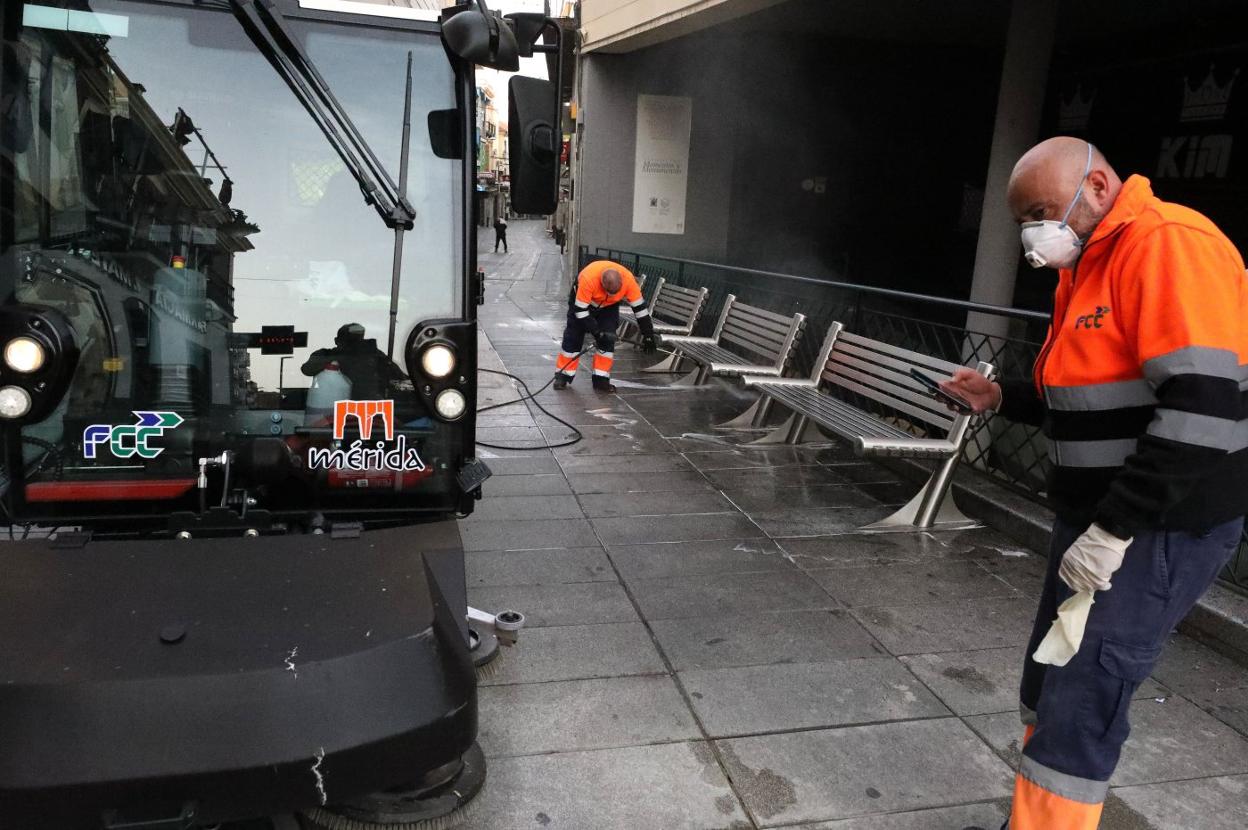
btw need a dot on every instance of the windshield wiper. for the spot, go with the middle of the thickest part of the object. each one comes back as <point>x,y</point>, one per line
<point>266,28</point>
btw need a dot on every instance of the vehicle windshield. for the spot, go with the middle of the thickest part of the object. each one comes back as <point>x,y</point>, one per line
<point>164,192</point>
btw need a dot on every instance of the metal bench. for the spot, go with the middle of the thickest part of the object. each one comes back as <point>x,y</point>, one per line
<point>763,343</point>
<point>675,310</point>
<point>878,372</point>
<point>628,324</point>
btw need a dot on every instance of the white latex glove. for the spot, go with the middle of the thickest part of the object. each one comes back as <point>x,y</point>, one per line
<point>1088,564</point>
<point>1066,633</point>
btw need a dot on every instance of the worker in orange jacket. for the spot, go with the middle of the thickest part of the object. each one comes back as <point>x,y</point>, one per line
<point>594,309</point>
<point>1142,390</point>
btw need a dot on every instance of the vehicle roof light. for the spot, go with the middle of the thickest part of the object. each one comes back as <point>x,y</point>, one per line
<point>24,354</point>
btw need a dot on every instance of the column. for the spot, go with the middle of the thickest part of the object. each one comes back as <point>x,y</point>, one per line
<point>1020,100</point>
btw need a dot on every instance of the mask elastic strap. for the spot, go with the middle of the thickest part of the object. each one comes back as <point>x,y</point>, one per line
<point>1086,170</point>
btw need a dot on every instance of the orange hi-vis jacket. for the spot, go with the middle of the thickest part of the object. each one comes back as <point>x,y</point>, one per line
<point>1142,384</point>
<point>591,294</point>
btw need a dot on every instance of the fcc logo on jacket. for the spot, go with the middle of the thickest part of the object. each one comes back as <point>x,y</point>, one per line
<point>1093,320</point>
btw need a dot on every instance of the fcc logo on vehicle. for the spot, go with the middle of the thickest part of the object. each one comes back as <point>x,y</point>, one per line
<point>129,440</point>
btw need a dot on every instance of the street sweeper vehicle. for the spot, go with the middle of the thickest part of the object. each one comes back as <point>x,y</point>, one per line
<point>238,294</point>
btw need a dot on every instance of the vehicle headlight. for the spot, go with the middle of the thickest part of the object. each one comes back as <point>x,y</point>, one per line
<point>438,361</point>
<point>15,401</point>
<point>24,354</point>
<point>451,404</point>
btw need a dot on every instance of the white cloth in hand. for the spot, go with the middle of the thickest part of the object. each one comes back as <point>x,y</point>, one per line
<point>1066,633</point>
<point>1088,564</point>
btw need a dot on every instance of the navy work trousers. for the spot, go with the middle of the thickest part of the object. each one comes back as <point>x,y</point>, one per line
<point>1080,710</point>
<point>608,319</point>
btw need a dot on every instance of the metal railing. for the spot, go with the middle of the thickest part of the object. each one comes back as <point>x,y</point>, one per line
<point>1013,454</point>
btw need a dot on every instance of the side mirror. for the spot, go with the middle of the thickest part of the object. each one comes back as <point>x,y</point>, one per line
<point>534,141</point>
<point>480,37</point>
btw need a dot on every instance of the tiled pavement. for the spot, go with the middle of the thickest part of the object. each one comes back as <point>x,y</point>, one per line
<point>710,645</point>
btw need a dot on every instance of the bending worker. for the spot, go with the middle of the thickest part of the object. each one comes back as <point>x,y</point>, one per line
<point>1139,390</point>
<point>594,309</point>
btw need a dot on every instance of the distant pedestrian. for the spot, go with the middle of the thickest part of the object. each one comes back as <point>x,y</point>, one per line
<point>500,233</point>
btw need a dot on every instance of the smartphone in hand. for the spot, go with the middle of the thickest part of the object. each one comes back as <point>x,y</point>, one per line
<point>959,403</point>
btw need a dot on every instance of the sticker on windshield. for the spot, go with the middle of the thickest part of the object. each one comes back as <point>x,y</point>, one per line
<point>129,440</point>
<point>357,455</point>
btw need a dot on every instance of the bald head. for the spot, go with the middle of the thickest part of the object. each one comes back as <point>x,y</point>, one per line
<point>612,281</point>
<point>1048,176</point>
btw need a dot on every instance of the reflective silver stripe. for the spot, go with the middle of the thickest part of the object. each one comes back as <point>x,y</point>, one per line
<point>1193,360</point>
<point>602,373</point>
<point>568,355</point>
<point>1101,396</point>
<point>582,304</point>
<point>1239,438</point>
<point>607,355</point>
<point>1191,428</point>
<point>638,303</point>
<point>1027,715</point>
<point>1108,453</point>
<point>1083,790</point>
<point>582,314</point>
<point>641,312</point>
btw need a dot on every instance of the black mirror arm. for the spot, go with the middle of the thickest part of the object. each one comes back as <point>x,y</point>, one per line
<point>264,25</point>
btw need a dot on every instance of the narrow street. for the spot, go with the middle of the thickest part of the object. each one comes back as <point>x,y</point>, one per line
<point>711,645</point>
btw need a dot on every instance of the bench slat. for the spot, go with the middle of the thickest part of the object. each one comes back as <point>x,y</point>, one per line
<point>900,404</point>
<point>887,349</point>
<point>741,314</point>
<point>748,340</point>
<point>771,351</point>
<point>759,324</point>
<point>940,368</point>
<point>672,316</point>
<point>887,380</point>
<point>706,352</point>
<point>865,423</point>
<point>673,298</point>
<point>670,328</point>
<point>749,327</point>
<point>720,357</point>
<point>673,309</point>
<point>782,319</point>
<point>777,340</point>
<point>847,421</point>
<point>681,291</point>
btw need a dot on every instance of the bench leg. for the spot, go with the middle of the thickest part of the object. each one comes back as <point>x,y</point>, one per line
<point>797,429</point>
<point>932,508</point>
<point>667,366</point>
<point>764,409</point>
<point>690,380</point>
<point>751,417</point>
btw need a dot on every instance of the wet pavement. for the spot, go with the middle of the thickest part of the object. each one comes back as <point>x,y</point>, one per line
<point>711,645</point>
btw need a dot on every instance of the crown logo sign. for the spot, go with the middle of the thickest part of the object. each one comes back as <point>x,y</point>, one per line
<point>1208,101</point>
<point>1074,114</point>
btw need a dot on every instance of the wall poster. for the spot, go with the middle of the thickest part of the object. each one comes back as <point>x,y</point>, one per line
<point>661,174</point>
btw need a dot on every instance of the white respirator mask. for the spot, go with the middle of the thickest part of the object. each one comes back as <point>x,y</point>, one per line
<point>1052,243</point>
